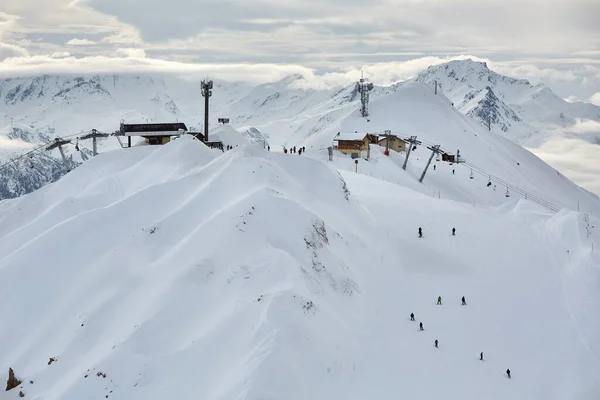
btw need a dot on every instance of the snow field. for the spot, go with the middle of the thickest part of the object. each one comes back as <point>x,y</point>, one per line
<point>263,281</point>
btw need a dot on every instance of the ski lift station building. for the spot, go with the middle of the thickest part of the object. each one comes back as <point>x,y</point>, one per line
<point>355,144</point>
<point>158,133</point>
<point>395,143</point>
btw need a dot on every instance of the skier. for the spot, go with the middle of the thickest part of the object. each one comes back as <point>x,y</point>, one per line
<point>453,231</point>
<point>452,172</point>
<point>464,302</point>
<point>439,303</point>
<point>436,343</point>
<point>420,232</point>
<point>508,373</point>
<point>421,326</point>
<point>481,356</point>
<point>268,148</point>
<point>434,167</point>
<point>412,316</point>
<point>303,149</point>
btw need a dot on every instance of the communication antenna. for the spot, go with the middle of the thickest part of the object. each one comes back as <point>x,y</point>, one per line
<point>206,90</point>
<point>364,88</point>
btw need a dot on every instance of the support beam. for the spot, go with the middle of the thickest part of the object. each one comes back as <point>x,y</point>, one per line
<point>59,143</point>
<point>94,135</point>
<point>434,150</point>
<point>412,141</point>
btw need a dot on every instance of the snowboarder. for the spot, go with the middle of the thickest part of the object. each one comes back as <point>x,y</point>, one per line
<point>421,326</point>
<point>412,316</point>
<point>439,303</point>
<point>481,356</point>
<point>300,152</point>
<point>508,373</point>
<point>464,302</point>
<point>453,231</point>
<point>436,343</point>
<point>420,232</point>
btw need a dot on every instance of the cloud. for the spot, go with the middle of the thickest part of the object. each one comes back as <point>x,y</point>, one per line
<point>575,158</point>
<point>133,61</point>
<point>595,99</point>
<point>572,99</point>
<point>334,37</point>
<point>80,42</point>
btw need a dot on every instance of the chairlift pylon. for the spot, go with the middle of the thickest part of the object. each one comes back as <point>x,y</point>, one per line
<point>472,176</point>
<point>507,193</point>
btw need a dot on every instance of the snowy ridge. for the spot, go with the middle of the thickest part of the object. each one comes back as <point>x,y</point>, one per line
<point>414,109</point>
<point>252,274</point>
<point>517,109</point>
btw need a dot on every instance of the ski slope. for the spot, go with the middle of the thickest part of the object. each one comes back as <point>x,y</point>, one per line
<point>414,110</point>
<point>183,272</point>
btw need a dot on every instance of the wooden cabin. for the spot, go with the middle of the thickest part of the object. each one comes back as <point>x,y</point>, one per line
<point>154,134</point>
<point>395,143</point>
<point>448,158</point>
<point>354,144</point>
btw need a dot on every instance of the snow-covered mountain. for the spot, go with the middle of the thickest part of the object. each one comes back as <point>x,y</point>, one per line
<point>284,113</point>
<point>182,272</point>
<point>512,107</point>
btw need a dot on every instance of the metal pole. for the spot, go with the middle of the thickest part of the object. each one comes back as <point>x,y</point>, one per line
<point>433,151</point>
<point>206,118</point>
<point>95,147</point>
<point>62,153</point>
<point>411,141</point>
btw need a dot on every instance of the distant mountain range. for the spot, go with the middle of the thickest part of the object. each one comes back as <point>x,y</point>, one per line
<point>35,110</point>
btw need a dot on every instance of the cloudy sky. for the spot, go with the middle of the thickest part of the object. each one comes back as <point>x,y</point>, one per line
<point>553,41</point>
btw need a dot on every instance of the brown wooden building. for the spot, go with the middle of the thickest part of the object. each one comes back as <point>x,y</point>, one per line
<point>355,144</point>
<point>395,143</point>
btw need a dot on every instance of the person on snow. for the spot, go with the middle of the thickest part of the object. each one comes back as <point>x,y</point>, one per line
<point>434,167</point>
<point>412,316</point>
<point>421,326</point>
<point>464,302</point>
<point>268,148</point>
<point>420,232</point>
<point>508,373</point>
<point>452,172</point>
<point>436,343</point>
<point>453,231</point>
<point>439,303</point>
<point>481,356</point>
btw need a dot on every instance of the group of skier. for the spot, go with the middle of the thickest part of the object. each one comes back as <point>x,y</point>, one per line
<point>293,150</point>
<point>436,342</point>
<point>421,232</point>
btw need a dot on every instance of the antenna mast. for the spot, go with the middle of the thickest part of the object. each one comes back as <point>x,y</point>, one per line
<point>364,88</point>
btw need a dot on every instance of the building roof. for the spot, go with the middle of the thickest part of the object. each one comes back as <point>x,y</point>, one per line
<point>350,136</point>
<point>159,129</point>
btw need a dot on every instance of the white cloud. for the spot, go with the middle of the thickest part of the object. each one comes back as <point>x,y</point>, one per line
<point>576,159</point>
<point>595,99</point>
<point>80,42</point>
<point>572,99</point>
<point>131,53</point>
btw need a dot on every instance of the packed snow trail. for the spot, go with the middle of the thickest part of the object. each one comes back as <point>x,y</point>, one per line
<point>183,272</point>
